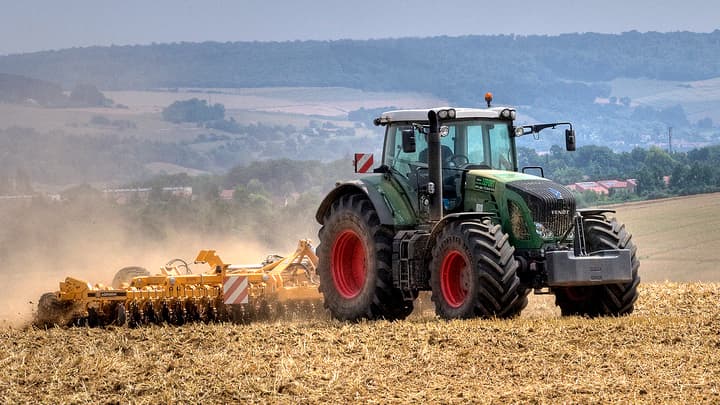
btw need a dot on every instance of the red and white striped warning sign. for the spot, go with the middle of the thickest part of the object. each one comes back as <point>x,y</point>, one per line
<point>235,290</point>
<point>363,162</point>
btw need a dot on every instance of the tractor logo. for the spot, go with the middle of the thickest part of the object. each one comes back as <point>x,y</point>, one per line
<point>482,183</point>
<point>556,193</point>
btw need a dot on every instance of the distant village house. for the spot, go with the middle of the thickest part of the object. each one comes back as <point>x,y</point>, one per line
<point>605,187</point>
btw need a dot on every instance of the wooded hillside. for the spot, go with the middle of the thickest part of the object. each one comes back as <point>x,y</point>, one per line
<point>522,69</point>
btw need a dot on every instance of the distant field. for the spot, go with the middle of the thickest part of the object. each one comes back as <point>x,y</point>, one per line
<point>678,239</point>
<point>77,121</point>
<point>699,99</point>
<point>315,101</point>
<point>270,106</point>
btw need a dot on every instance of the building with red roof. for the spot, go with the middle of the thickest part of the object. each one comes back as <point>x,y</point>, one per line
<point>606,187</point>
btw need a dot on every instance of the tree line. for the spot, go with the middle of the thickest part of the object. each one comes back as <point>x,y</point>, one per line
<point>534,69</point>
<point>20,89</point>
<point>658,172</point>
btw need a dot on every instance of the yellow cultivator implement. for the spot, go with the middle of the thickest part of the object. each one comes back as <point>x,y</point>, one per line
<point>226,292</point>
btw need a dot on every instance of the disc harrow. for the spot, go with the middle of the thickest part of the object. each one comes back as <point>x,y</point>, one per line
<point>279,287</point>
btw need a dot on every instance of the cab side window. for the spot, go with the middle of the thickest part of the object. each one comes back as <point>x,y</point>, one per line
<point>501,151</point>
<point>476,145</point>
<point>395,157</point>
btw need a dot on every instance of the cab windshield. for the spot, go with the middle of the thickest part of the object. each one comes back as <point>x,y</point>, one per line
<point>469,144</point>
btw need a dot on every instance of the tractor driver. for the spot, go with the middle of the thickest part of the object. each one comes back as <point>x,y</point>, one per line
<point>451,180</point>
<point>445,152</point>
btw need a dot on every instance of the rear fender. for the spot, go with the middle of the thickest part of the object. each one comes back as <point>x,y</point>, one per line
<point>356,187</point>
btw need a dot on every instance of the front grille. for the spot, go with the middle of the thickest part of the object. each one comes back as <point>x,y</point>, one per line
<point>550,203</point>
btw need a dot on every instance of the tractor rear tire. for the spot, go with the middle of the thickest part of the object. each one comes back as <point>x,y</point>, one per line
<point>473,273</point>
<point>126,274</point>
<point>355,263</point>
<point>602,300</point>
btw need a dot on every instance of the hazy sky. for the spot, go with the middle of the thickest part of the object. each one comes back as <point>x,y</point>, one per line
<point>32,25</point>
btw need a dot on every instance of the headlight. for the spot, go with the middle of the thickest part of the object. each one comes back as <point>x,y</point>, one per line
<point>543,232</point>
<point>508,114</point>
<point>445,114</point>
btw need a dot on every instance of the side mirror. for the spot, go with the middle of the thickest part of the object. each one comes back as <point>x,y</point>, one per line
<point>570,140</point>
<point>408,140</point>
<point>538,168</point>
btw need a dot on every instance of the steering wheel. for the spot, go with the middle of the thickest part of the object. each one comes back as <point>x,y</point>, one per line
<point>505,163</point>
<point>459,160</point>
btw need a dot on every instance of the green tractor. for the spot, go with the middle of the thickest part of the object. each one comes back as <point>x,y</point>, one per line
<point>449,211</point>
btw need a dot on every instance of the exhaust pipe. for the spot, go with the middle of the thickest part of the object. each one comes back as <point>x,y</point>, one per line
<point>435,187</point>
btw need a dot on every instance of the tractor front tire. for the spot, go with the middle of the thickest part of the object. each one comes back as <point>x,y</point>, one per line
<point>473,273</point>
<point>603,300</point>
<point>355,263</point>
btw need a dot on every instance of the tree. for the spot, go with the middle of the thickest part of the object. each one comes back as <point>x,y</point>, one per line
<point>193,110</point>
<point>528,157</point>
<point>568,175</point>
<point>656,166</point>
<point>88,95</point>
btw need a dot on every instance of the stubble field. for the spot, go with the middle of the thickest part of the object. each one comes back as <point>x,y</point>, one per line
<point>665,352</point>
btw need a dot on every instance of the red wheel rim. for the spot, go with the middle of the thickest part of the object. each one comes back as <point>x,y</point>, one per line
<point>348,264</point>
<point>454,278</point>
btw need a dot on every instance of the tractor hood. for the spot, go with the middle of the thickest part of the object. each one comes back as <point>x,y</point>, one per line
<point>549,203</point>
<point>504,176</point>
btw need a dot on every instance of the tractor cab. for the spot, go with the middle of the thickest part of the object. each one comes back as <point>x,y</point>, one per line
<point>473,139</point>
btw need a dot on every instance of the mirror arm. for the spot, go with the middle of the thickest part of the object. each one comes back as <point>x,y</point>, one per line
<point>535,129</point>
<point>539,127</point>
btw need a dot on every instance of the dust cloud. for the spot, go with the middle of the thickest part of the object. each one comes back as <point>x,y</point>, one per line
<point>41,244</point>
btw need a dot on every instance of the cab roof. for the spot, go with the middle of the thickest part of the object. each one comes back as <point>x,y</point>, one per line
<point>421,115</point>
